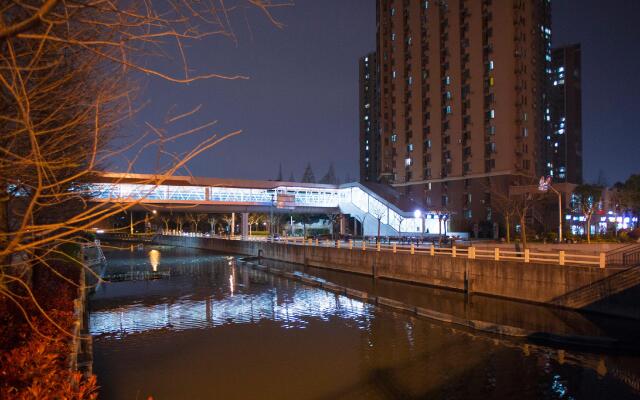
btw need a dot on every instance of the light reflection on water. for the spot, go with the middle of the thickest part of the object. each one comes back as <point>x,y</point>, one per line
<point>154,259</point>
<point>216,329</point>
<point>186,313</point>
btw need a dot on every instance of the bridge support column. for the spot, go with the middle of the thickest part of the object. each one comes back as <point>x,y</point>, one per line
<point>245,225</point>
<point>343,224</point>
<point>232,232</point>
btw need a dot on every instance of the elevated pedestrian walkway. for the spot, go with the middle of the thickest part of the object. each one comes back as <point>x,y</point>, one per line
<point>371,205</point>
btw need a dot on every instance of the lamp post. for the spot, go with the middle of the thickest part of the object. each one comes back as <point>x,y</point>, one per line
<point>544,186</point>
<point>271,214</point>
<point>418,214</point>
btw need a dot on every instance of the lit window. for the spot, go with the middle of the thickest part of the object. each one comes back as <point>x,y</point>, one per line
<point>491,65</point>
<point>407,162</point>
<point>492,113</point>
<point>447,80</point>
<point>394,138</point>
<point>448,109</point>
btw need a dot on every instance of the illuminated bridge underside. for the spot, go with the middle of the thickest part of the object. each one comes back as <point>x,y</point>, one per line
<point>353,199</point>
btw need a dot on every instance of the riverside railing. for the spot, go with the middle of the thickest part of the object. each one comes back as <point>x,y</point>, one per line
<point>496,254</point>
<point>470,252</point>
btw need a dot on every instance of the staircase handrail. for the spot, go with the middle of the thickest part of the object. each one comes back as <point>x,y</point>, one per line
<point>617,256</point>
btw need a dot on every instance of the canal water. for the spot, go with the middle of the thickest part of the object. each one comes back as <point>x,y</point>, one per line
<point>187,324</point>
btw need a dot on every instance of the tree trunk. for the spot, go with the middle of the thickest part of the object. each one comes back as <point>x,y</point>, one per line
<point>589,228</point>
<point>523,230</point>
<point>4,221</point>
<point>508,222</point>
<point>378,239</point>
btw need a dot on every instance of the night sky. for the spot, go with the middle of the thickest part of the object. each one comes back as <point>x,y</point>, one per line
<point>300,104</point>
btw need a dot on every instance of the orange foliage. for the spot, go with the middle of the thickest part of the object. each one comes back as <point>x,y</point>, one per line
<point>37,368</point>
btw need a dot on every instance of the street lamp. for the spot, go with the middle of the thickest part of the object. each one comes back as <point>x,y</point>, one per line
<point>544,186</point>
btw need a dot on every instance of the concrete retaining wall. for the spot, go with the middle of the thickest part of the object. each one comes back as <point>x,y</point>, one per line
<point>538,283</point>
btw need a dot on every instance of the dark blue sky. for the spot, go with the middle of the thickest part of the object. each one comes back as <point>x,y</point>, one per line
<point>300,104</point>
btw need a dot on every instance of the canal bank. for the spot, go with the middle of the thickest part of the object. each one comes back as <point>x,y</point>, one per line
<point>602,290</point>
<point>479,314</point>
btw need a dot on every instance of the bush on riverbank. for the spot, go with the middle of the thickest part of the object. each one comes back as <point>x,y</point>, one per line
<point>34,362</point>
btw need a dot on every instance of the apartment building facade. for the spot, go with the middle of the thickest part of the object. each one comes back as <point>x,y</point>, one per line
<point>463,99</point>
<point>564,141</point>
<point>369,115</point>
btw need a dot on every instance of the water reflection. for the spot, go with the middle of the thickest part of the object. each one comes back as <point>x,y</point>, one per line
<point>154,259</point>
<point>290,310</point>
<point>221,330</point>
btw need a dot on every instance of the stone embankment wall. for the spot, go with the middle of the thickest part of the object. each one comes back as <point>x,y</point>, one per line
<point>566,286</point>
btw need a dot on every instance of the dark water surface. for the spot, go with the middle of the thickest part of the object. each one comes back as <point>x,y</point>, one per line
<point>215,329</point>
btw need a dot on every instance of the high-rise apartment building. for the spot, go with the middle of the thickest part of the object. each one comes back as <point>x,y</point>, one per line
<point>463,102</point>
<point>564,141</point>
<point>369,115</point>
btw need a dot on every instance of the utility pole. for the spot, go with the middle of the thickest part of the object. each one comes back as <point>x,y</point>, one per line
<point>544,186</point>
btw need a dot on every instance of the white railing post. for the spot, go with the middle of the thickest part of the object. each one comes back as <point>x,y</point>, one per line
<point>350,244</point>
<point>472,253</point>
<point>453,251</point>
<point>338,244</point>
<point>378,246</point>
<point>432,250</point>
<point>603,260</point>
<point>496,254</point>
<point>395,247</point>
<point>561,257</point>
<point>413,249</point>
<point>527,257</point>
<point>316,242</point>
<point>364,245</point>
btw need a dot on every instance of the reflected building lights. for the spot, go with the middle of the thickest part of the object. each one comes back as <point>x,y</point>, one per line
<point>291,310</point>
